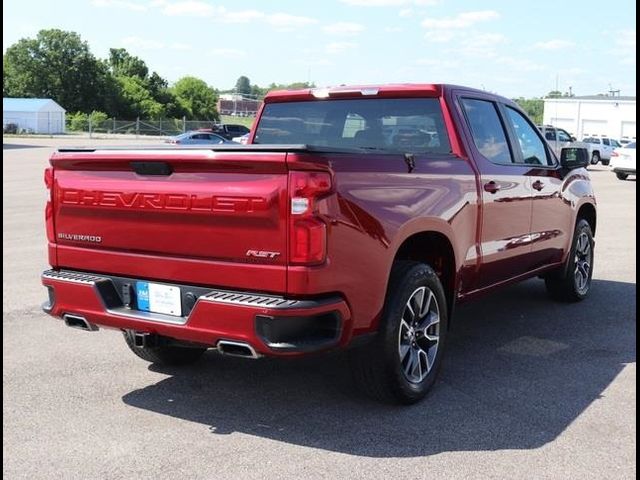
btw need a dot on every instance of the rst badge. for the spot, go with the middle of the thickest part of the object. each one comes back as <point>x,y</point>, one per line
<point>262,254</point>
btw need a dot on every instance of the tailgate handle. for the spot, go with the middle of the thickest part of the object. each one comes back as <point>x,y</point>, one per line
<point>151,168</point>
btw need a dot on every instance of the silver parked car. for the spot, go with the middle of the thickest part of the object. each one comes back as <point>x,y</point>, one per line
<point>197,138</point>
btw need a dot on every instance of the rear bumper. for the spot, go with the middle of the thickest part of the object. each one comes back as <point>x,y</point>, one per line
<point>272,325</point>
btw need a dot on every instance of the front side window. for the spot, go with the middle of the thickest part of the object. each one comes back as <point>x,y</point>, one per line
<point>564,136</point>
<point>403,125</point>
<point>486,129</point>
<point>531,145</point>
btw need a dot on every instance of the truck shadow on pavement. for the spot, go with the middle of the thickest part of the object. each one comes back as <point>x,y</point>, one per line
<point>17,146</point>
<point>519,370</point>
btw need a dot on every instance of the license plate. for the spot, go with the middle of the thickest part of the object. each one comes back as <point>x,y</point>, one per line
<point>156,298</point>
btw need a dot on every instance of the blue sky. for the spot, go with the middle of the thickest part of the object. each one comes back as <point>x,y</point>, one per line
<point>510,47</point>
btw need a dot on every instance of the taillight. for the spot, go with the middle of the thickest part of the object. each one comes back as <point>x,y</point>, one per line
<point>48,211</point>
<point>614,154</point>
<point>308,232</point>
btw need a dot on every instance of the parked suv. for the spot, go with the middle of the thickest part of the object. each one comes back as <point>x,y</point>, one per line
<point>600,149</point>
<point>324,233</point>
<point>557,138</point>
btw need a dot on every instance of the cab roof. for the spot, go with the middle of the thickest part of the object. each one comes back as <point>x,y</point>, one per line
<point>365,91</point>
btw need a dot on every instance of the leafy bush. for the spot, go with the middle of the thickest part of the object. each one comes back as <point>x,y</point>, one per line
<point>79,122</point>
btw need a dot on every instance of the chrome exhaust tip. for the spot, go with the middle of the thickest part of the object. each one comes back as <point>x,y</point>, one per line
<point>79,322</point>
<point>236,349</point>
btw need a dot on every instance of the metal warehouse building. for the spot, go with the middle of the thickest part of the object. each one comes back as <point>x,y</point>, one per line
<point>34,115</point>
<point>594,115</point>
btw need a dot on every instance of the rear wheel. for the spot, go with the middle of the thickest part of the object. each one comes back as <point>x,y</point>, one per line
<point>573,281</point>
<point>595,158</point>
<point>621,176</point>
<point>605,162</point>
<point>163,353</point>
<point>401,364</point>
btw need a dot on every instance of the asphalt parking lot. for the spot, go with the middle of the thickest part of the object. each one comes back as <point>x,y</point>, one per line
<point>530,388</point>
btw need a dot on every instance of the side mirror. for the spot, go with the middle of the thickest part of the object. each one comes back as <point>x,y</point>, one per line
<point>573,139</point>
<point>574,157</point>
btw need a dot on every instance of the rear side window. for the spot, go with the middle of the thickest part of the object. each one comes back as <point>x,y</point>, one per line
<point>487,130</point>
<point>605,141</point>
<point>406,125</point>
<point>530,143</point>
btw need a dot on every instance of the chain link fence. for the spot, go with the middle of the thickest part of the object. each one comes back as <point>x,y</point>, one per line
<point>161,127</point>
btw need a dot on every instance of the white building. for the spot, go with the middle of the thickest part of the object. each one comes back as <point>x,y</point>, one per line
<point>593,115</point>
<point>36,115</point>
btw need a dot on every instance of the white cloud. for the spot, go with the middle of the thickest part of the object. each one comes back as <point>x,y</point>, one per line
<point>132,6</point>
<point>228,52</point>
<point>555,44</point>
<point>405,12</point>
<point>242,16</point>
<point>141,43</point>
<point>343,28</point>
<point>393,29</point>
<point>626,47</point>
<point>286,21</point>
<point>519,64</point>
<point>461,20</point>
<point>389,3</point>
<point>435,63</point>
<point>339,47</point>
<point>479,45</point>
<point>572,71</point>
<point>487,39</point>
<point>197,8</point>
<point>439,36</point>
<point>180,46</point>
<point>191,8</point>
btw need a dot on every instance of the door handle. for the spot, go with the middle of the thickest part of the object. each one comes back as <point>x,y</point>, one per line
<point>538,185</point>
<point>491,187</point>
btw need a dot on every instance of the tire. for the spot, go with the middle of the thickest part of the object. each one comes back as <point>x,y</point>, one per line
<point>621,176</point>
<point>164,354</point>
<point>595,158</point>
<point>573,282</point>
<point>401,364</point>
<point>605,162</point>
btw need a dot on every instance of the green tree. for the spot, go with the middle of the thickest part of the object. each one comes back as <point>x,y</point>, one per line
<point>122,63</point>
<point>534,107</point>
<point>137,101</point>
<point>58,65</point>
<point>243,85</point>
<point>197,98</point>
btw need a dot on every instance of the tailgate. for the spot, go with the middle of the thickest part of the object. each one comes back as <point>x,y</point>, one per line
<point>203,207</point>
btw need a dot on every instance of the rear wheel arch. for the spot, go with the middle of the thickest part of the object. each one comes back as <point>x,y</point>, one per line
<point>435,249</point>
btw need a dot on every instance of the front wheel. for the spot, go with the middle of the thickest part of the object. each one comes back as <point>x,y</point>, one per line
<point>401,364</point>
<point>621,176</point>
<point>573,281</point>
<point>595,158</point>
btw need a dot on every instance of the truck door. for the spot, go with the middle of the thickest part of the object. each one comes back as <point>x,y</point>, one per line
<point>505,245</point>
<point>551,219</point>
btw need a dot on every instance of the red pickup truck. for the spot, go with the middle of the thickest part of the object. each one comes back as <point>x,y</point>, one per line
<point>356,217</point>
